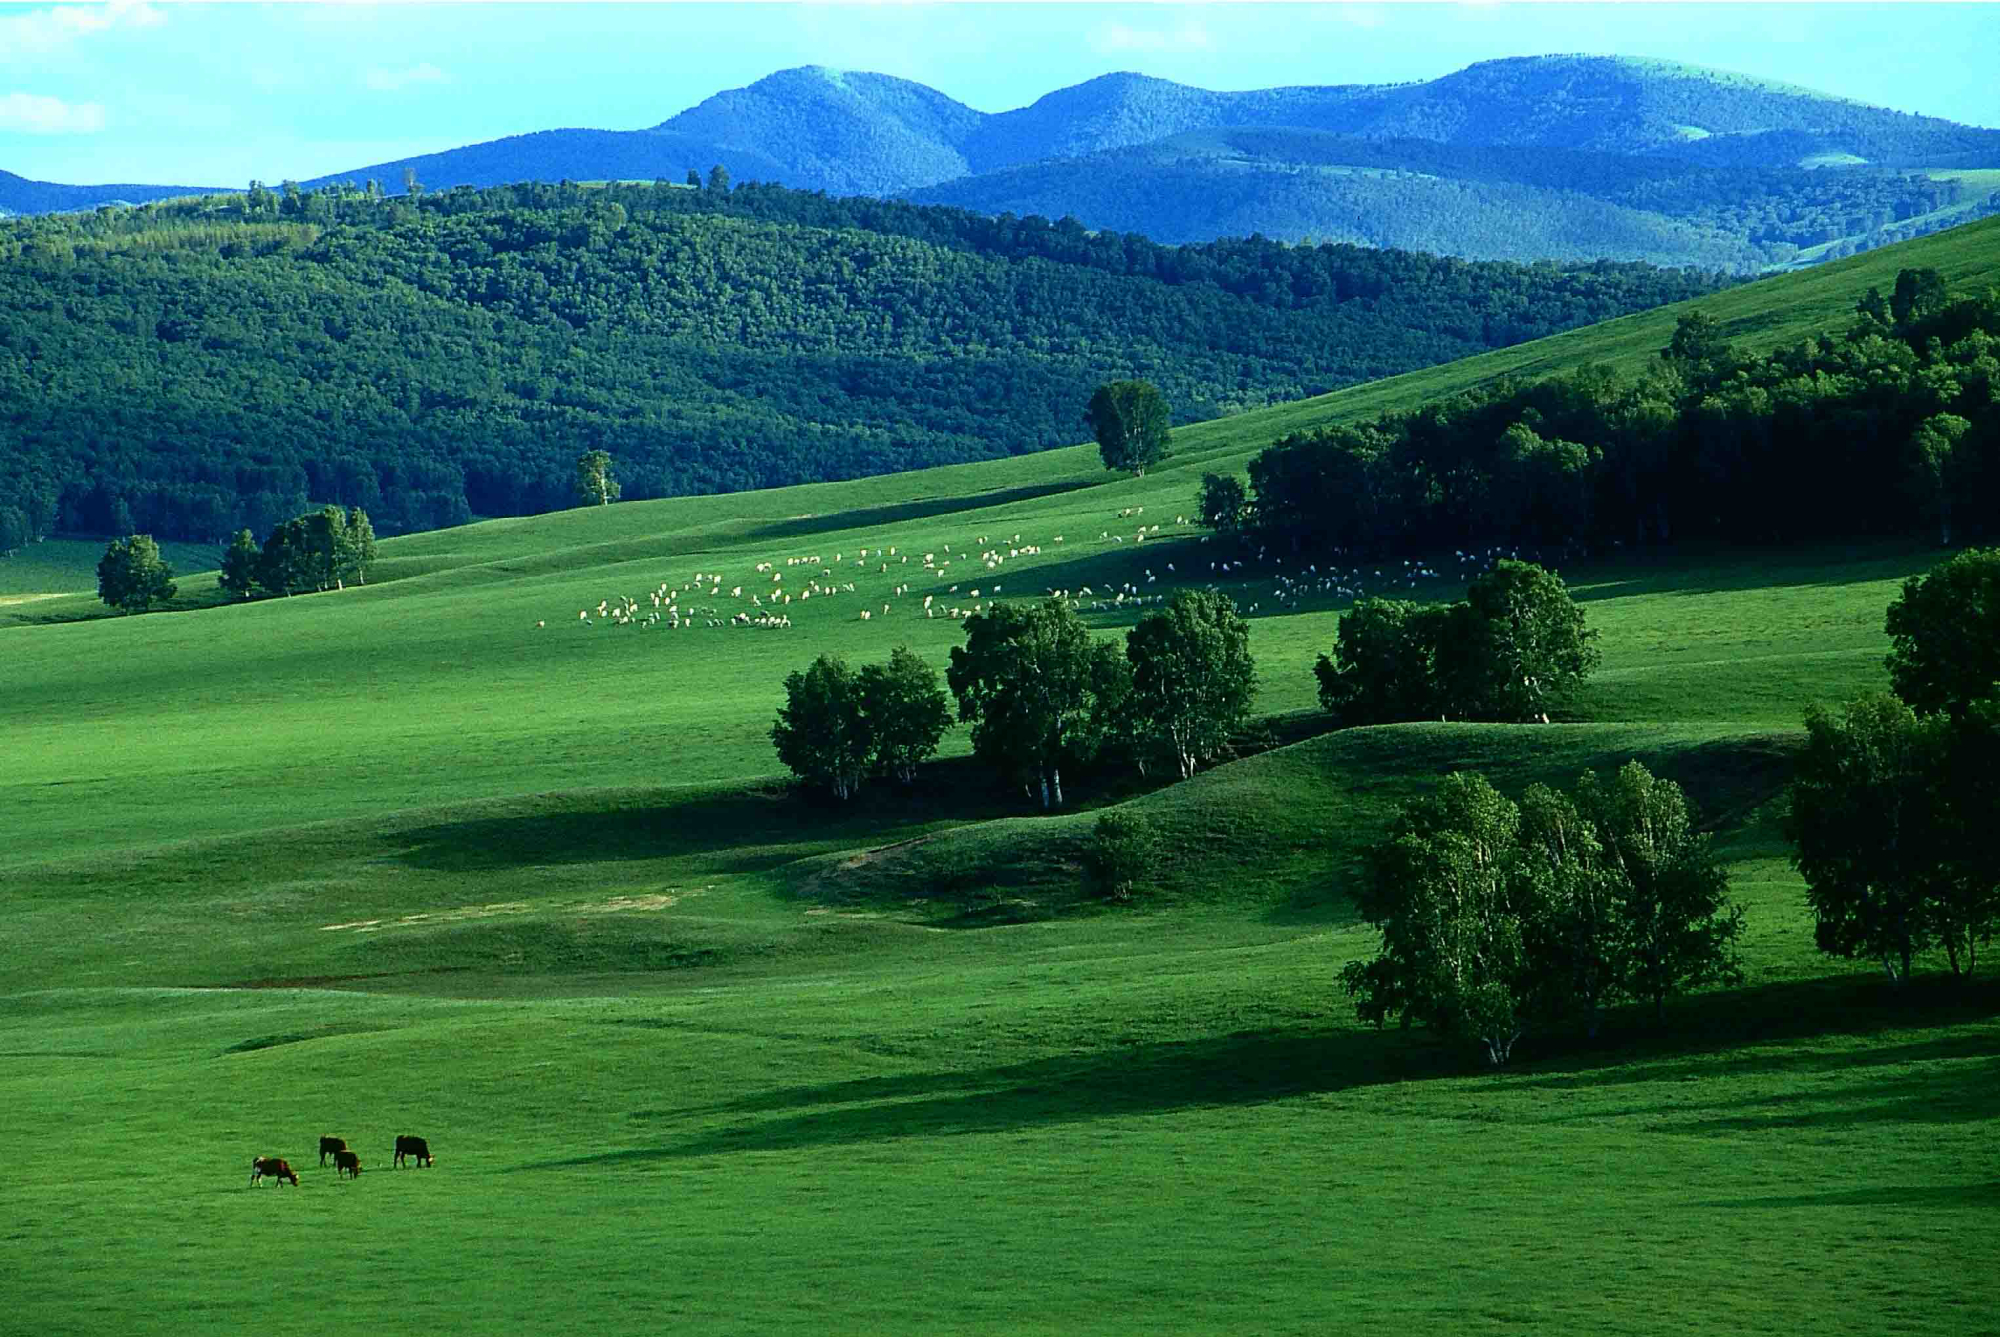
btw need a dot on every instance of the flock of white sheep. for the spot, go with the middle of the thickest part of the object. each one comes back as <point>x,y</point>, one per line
<point>875,581</point>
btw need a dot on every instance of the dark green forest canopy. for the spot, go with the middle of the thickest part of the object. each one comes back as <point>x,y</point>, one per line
<point>196,367</point>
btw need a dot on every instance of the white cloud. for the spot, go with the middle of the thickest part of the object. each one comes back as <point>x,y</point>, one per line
<point>1186,36</point>
<point>388,81</point>
<point>33,114</point>
<point>40,31</point>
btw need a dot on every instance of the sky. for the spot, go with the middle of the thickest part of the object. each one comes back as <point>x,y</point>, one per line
<point>159,92</point>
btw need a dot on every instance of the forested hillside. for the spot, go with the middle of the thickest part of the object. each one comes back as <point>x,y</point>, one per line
<point>195,368</point>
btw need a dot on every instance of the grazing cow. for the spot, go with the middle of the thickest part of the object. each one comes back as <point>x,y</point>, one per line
<point>345,1160</point>
<point>275,1166</point>
<point>415,1148</point>
<point>330,1146</point>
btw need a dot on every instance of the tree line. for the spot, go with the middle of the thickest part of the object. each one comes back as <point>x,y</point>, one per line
<point>1042,697</point>
<point>195,368</point>
<point>320,550</point>
<point>1890,428</point>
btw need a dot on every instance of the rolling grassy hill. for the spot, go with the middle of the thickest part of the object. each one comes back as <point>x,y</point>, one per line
<point>433,856</point>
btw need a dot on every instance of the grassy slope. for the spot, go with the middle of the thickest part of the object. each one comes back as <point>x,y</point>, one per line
<point>692,1050</point>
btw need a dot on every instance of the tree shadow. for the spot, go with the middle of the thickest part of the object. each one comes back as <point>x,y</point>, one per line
<point>1249,1068</point>
<point>1986,1196</point>
<point>924,509</point>
<point>750,829</point>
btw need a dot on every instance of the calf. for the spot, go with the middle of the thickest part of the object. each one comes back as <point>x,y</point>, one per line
<point>331,1146</point>
<point>415,1148</point>
<point>275,1166</point>
<point>347,1161</point>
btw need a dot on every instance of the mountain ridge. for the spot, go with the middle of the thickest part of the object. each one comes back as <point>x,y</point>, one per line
<point>850,132</point>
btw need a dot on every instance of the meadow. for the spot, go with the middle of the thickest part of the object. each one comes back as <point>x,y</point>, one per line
<point>437,856</point>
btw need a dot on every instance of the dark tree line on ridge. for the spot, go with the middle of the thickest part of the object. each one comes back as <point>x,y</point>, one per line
<point>192,369</point>
<point>1891,428</point>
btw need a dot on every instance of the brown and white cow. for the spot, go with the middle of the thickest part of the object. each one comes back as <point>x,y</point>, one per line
<point>345,1161</point>
<point>275,1166</point>
<point>415,1148</point>
<point>331,1146</point>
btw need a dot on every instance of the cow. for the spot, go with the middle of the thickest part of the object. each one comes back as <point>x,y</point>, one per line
<point>415,1148</point>
<point>345,1160</point>
<point>330,1146</point>
<point>275,1166</point>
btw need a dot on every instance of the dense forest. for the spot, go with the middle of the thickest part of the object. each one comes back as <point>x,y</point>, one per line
<point>1889,428</point>
<point>193,368</point>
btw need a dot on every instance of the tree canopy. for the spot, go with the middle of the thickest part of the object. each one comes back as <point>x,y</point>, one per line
<point>1131,424</point>
<point>132,577</point>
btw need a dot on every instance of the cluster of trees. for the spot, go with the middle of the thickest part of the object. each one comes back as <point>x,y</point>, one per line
<point>837,726</point>
<point>1892,429</point>
<point>1893,806</point>
<point>320,550</point>
<point>1513,647</point>
<point>1498,916</point>
<point>194,368</point>
<point>1041,695</point>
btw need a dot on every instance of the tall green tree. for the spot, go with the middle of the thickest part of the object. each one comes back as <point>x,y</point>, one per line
<point>1529,647</point>
<point>1869,831</point>
<point>906,712</point>
<point>1678,928</point>
<point>821,732</point>
<point>596,485</point>
<point>1132,425</point>
<point>1222,502</point>
<point>1034,687</point>
<point>718,178</point>
<point>357,549</point>
<point>1455,947</point>
<point>1944,632</point>
<point>1193,679</point>
<point>239,565</point>
<point>1385,664</point>
<point>132,577</point>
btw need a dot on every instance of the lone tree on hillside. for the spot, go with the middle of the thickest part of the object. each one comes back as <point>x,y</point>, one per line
<point>595,483</point>
<point>131,577</point>
<point>1036,690</point>
<point>821,733</point>
<point>1192,677</point>
<point>1944,630</point>
<point>1132,425</point>
<point>905,711</point>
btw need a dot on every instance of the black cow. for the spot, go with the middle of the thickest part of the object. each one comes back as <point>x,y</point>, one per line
<point>345,1160</point>
<point>415,1148</point>
<point>275,1166</point>
<point>331,1146</point>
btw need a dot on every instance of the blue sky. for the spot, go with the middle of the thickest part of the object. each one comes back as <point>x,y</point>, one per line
<point>214,94</point>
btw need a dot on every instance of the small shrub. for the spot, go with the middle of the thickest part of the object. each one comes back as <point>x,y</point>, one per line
<point>1114,860</point>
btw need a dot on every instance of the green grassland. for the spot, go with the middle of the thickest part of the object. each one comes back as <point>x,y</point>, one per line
<point>436,856</point>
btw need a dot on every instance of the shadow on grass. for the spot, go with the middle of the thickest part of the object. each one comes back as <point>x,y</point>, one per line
<point>925,509</point>
<point>1255,1068</point>
<point>759,827</point>
<point>1986,1196</point>
<point>1696,569</point>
